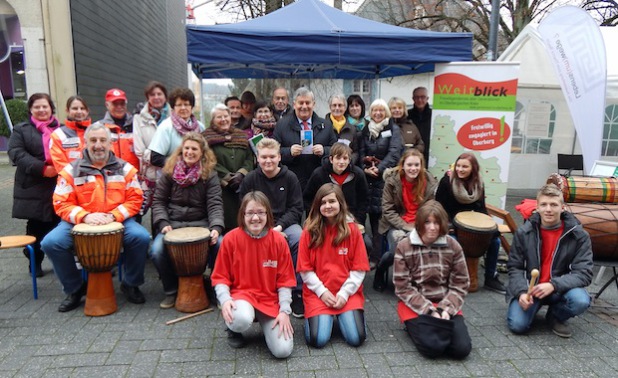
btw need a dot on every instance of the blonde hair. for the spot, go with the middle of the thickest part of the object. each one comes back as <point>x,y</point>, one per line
<point>208,160</point>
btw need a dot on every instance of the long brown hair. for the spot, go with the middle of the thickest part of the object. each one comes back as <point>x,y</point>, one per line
<point>261,199</point>
<point>208,159</point>
<point>420,182</point>
<point>316,223</point>
<point>474,180</point>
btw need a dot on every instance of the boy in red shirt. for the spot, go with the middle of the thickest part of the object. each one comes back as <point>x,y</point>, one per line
<point>554,242</point>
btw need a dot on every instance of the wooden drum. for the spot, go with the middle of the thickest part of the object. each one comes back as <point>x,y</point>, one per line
<point>97,249</point>
<point>586,189</point>
<point>474,232</point>
<point>601,222</point>
<point>188,249</point>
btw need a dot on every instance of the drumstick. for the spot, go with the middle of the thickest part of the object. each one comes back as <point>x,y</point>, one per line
<point>535,274</point>
<point>188,316</point>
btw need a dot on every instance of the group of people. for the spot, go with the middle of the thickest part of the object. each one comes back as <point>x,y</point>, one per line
<point>265,265</point>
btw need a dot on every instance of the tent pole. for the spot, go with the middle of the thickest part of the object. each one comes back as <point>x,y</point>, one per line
<point>573,145</point>
<point>201,98</point>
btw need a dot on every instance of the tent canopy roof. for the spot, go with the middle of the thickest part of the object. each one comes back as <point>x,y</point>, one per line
<point>309,39</point>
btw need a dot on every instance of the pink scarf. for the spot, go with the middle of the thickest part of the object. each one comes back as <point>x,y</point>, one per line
<point>184,175</point>
<point>46,128</point>
<point>183,126</point>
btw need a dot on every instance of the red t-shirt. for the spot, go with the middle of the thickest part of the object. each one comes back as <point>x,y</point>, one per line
<point>409,201</point>
<point>255,268</point>
<point>340,178</point>
<point>332,265</point>
<point>549,241</point>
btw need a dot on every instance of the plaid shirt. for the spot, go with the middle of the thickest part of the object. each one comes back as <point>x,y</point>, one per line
<point>424,275</point>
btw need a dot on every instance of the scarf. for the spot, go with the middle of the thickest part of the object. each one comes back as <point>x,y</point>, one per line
<point>461,194</point>
<point>263,127</point>
<point>185,175</point>
<point>338,124</point>
<point>233,138</point>
<point>376,128</point>
<point>46,128</point>
<point>183,126</point>
<point>159,115</point>
<point>359,123</point>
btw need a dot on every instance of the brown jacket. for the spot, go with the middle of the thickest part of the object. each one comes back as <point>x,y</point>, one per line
<point>392,201</point>
<point>430,274</point>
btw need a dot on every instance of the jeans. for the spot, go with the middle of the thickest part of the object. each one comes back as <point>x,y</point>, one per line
<point>244,314</point>
<point>293,233</point>
<point>163,263</point>
<point>319,328</point>
<point>562,307</point>
<point>491,256</point>
<point>58,246</point>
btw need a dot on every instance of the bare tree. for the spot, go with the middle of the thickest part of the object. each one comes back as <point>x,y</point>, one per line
<point>461,16</point>
<point>606,11</point>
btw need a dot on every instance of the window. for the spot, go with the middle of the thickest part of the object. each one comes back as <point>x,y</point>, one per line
<point>363,89</point>
<point>610,131</point>
<point>534,127</point>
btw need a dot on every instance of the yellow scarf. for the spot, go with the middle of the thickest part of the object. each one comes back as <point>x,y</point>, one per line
<point>337,124</point>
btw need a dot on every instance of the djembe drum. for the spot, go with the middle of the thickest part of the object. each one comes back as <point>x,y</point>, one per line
<point>188,250</point>
<point>474,232</point>
<point>586,189</point>
<point>97,249</point>
<point>600,220</point>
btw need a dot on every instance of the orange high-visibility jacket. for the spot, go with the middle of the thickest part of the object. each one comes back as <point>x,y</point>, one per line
<point>83,189</point>
<point>67,143</point>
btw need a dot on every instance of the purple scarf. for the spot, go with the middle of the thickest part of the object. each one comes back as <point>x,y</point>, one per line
<point>183,126</point>
<point>186,176</point>
<point>46,128</point>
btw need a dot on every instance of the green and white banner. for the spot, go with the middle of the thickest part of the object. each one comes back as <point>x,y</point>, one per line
<point>473,111</point>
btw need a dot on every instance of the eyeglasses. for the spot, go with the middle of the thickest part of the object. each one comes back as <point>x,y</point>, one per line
<point>250,214</point>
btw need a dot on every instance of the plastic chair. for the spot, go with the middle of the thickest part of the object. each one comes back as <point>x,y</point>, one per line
<point>20,241</point>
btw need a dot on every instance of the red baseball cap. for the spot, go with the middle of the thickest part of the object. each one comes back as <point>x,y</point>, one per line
<point>115,94</point>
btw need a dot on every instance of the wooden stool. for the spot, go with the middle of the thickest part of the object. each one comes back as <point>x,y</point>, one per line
<point>20,241</point>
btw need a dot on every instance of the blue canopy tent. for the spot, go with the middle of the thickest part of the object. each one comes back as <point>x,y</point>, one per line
<point>309,39</point>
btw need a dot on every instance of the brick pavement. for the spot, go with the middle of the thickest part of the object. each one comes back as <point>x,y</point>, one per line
<point>38,341</point>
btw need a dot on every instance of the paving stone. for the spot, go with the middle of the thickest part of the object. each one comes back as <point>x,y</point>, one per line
<point>105,342</point>
<point>164,344</point>
<point>376,365</point>
<point>200,369</point>
<point>77,360</point>
<point>503,353</point>
<point>302,374</point>
<point>185,355</point>
<point>311,363</point>
<point>346,356</point>
<point>380,347</point>
<point>123,353</point>
<point>102,371</point>
<point>343,373</point>
<point>58,373</point>
<point>165,370</point>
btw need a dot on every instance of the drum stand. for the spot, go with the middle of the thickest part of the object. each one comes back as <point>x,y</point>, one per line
<point>191,295</point>
<point>100,298</point>
<point>473,272</point>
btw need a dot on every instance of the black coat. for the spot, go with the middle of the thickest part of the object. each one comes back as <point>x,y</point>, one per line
<point>32,193</point>
<point>198,205</point>
<point>348,132</point>
<point>287,132</point>
<point>422,120</point>
<point>354,189</point>
<point>388,151</point>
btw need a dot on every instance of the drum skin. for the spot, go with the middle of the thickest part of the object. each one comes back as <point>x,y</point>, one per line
<point>474,232</point>
<point>586,189</point>
<point>601,222</point>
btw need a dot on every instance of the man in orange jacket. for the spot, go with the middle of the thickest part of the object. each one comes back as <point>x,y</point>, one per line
<point>97,189</point>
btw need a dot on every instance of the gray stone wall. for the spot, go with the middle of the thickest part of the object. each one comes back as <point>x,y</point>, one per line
<point>125,44</point>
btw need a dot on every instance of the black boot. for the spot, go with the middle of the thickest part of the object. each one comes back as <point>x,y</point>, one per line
<point>379,279</point>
